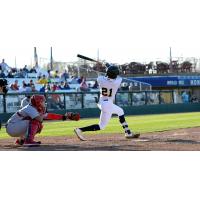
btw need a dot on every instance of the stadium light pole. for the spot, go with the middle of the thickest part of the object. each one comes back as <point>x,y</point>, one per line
<point>98,54</point>
<point>51,59</point>
<point>170,59</point>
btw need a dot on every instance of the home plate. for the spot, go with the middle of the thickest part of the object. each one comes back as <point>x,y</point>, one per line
<point>141,140</point>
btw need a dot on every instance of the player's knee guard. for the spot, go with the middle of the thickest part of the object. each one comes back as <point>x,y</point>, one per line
<point>34,128</point>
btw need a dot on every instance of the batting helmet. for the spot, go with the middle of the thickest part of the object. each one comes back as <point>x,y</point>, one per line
<point>38,101</point>
<point>112,72</point>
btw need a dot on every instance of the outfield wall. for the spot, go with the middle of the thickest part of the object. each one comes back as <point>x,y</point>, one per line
<point>130,110</point>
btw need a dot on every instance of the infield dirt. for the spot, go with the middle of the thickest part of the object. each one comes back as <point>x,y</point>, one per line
<point>176,140</point>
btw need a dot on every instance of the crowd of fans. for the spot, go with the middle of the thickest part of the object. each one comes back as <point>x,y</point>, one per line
<point>48,81</point>
<point>131,68</point>
<point>45,81</point>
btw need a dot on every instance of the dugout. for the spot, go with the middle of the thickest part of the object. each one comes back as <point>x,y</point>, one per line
<point>134,103</point>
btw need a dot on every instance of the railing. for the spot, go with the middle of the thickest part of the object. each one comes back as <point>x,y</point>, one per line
<point>79,100</point>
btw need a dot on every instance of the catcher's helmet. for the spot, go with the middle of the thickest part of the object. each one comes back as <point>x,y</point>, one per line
<point>38,101</point>
<point>112,72</point>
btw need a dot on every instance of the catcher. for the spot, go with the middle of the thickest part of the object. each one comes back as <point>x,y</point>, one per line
<point>27,122</point>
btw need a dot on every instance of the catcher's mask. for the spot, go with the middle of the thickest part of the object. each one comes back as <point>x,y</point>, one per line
<point>112,72</point>
<point>38,101</point>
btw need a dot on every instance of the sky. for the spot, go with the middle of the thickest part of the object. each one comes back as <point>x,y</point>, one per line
<point>122,30</point>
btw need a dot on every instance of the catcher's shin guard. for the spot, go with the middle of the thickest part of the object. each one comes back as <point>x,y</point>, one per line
<point>34,127</point>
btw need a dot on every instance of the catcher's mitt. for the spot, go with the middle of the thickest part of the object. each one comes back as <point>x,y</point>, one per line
<point>73,116</point>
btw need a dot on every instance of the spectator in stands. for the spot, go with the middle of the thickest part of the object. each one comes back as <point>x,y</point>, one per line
<point>96,85</point>
<point>56,75</point>
<point>48,80</point>
<point>33,89</point>
<point>2,74</point>
<point>49,74</point>
<point>33,70</point>
<point>14,70</point>
<point>48,88</point>
<point>42,80</point>
<point>55,99</point>
<point>4,66</point>
<point>24,83</point>
<point>185,97</point>
<point>80,80</point>
<point>64,76</point>
<point>84,86</point>
<point>10,75</point>
<point>26,71</point>
<point>124,86</point>
<point>63,85</point>
<point>66,86</point>
<point>14,86</point>
<point>194,99</point>
<point>42,89</point>
<point>38,78</point>
<point>20,74</point>
<point>73,80</point>
<point>131,87</point>
<point>31,83</point>
<point>23,87</point>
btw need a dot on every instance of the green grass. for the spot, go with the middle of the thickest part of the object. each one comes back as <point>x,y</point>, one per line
<point>142,124</point>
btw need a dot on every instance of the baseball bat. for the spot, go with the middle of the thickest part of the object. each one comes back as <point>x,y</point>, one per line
<point>86,58</point>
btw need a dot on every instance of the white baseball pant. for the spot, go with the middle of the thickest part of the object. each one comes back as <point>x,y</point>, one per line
<point>108,108</point>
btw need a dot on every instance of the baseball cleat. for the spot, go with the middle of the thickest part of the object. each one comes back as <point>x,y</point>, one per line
<point>131,135</point>
<point>78,132</point>
<point>19,142</point>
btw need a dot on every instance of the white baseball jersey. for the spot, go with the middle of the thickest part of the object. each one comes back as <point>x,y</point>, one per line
<point>27,111</point>
<point>17,125</point>
<point>108,89</point>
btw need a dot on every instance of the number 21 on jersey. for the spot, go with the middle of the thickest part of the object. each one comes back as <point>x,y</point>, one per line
<point>107,92</point>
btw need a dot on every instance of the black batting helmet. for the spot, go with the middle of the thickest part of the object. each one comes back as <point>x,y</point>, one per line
<point>112,72</point>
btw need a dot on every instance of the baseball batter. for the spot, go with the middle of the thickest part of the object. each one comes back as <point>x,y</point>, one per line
<point>27,122</point>
<point>109,85</point>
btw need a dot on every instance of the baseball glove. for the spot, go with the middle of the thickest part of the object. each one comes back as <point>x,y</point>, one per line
<point>73,116</point>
